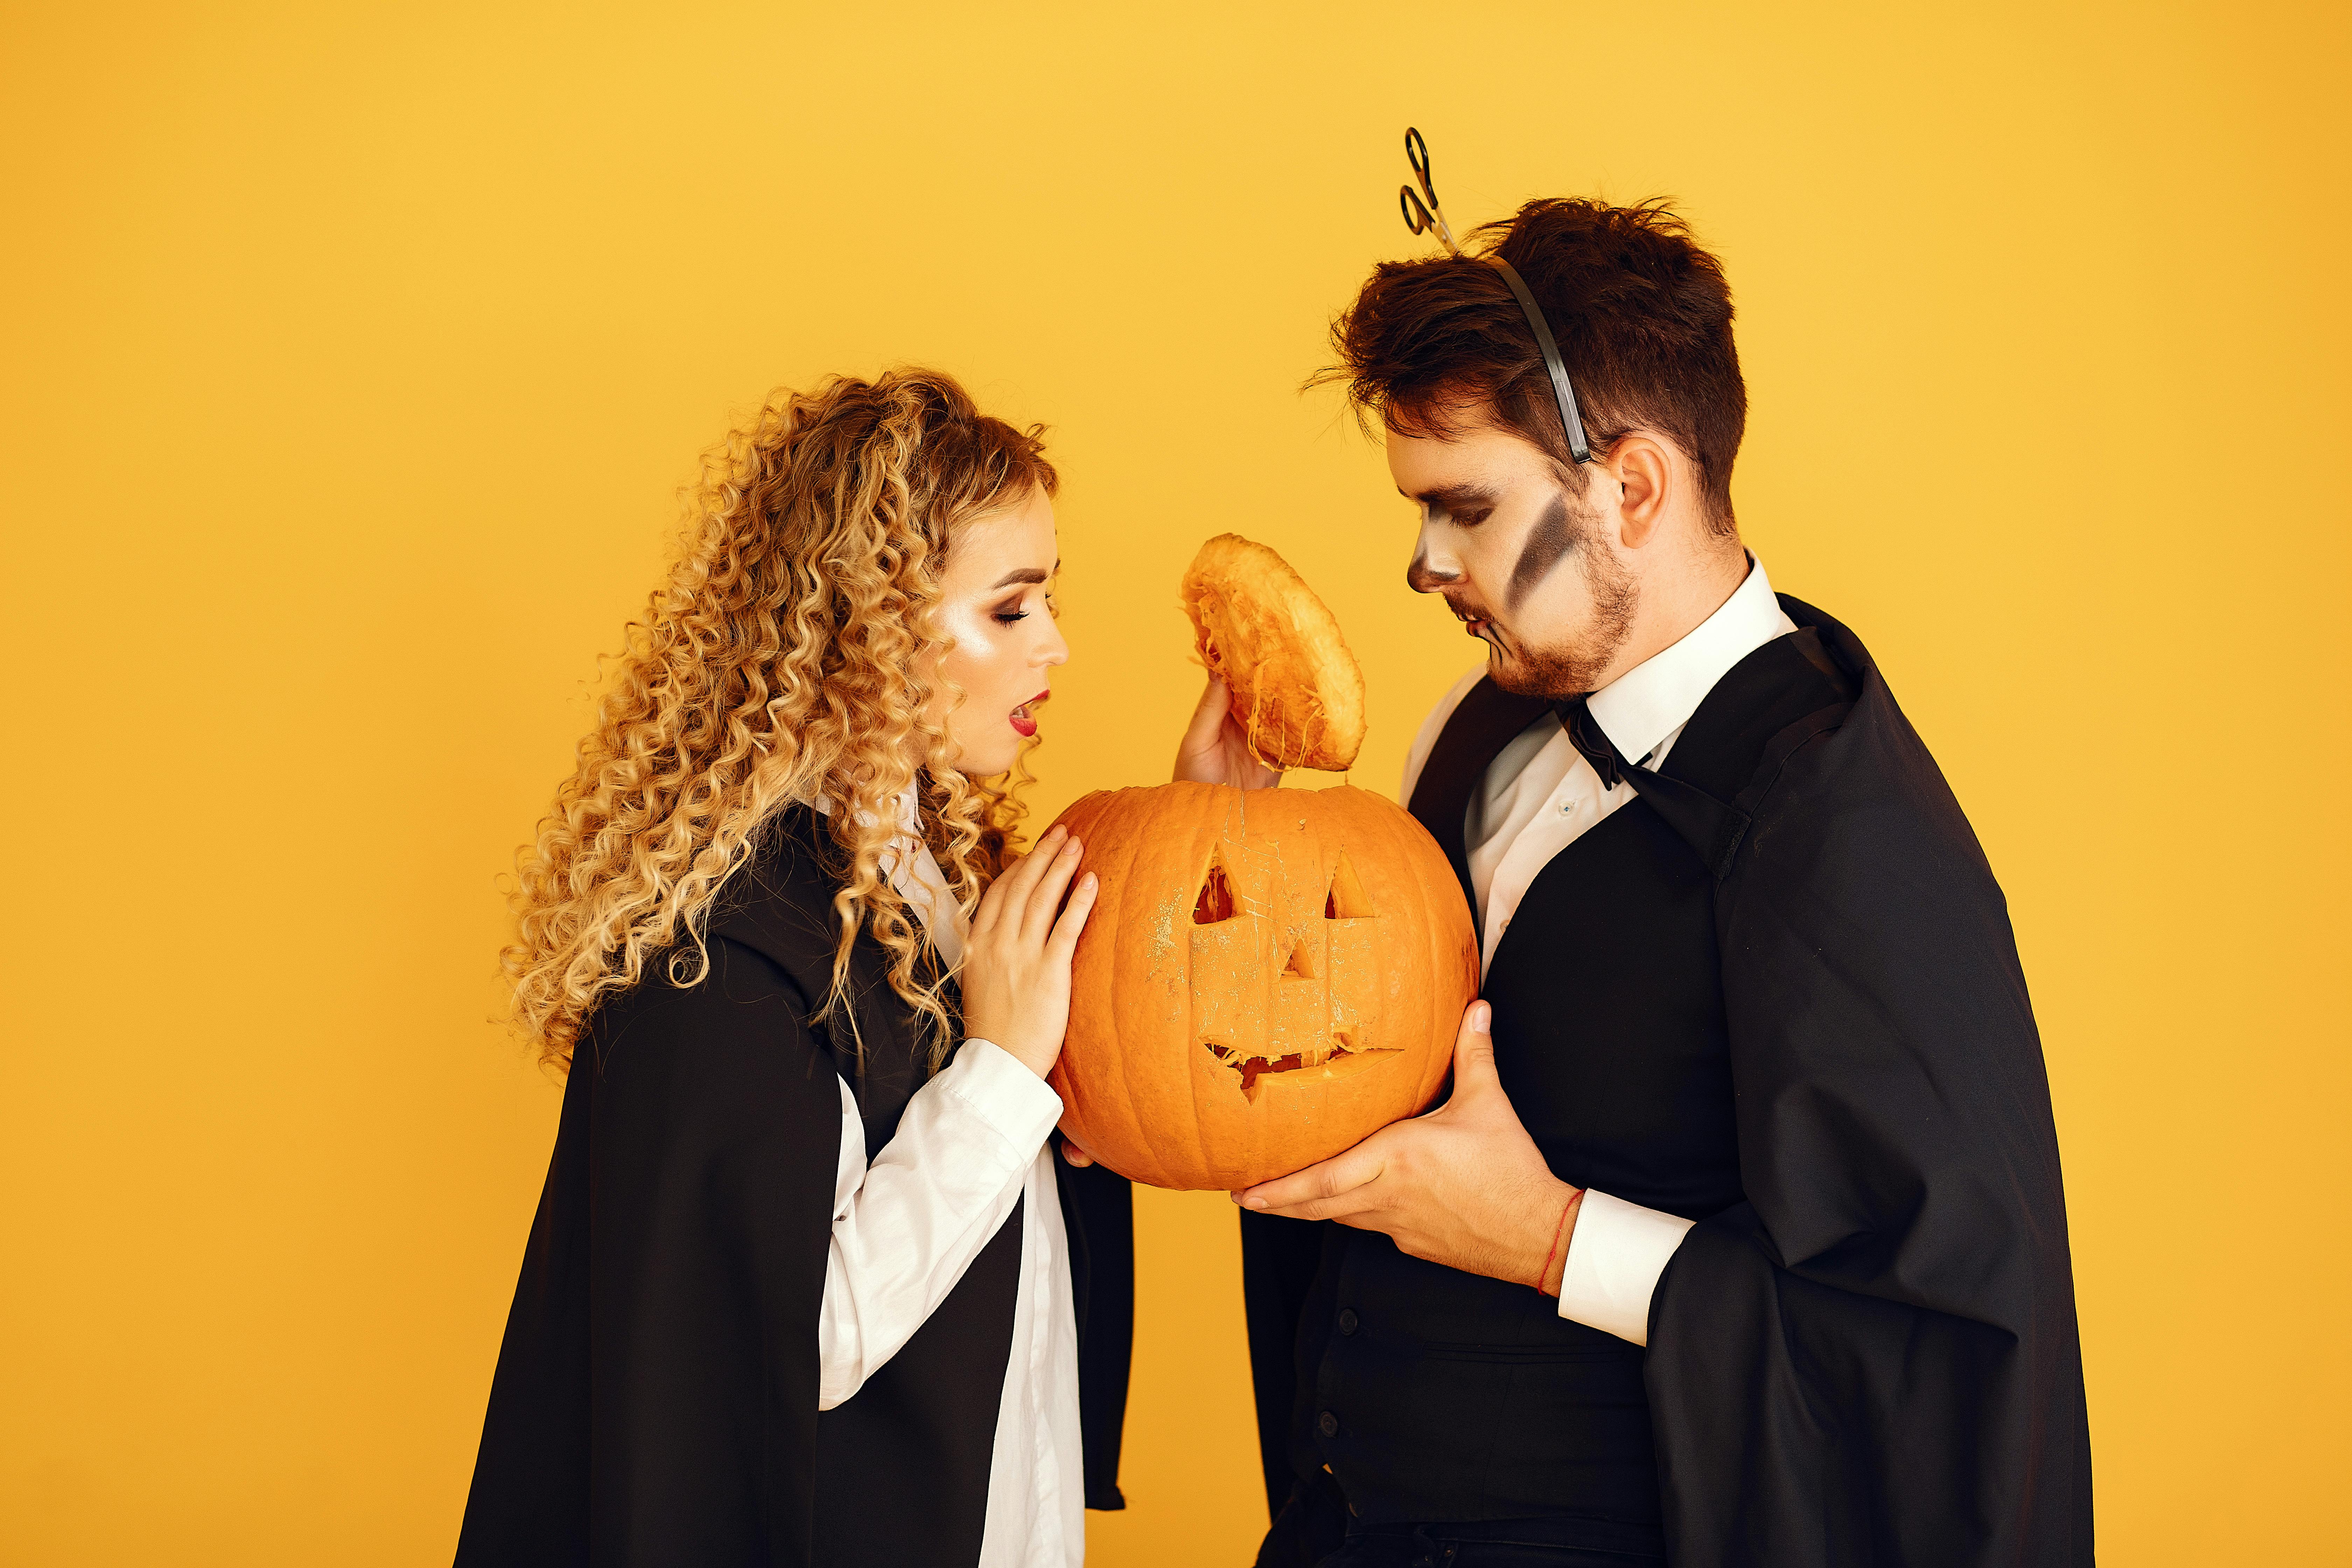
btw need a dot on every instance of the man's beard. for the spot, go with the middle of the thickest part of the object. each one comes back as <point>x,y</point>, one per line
<point>1575,668</point>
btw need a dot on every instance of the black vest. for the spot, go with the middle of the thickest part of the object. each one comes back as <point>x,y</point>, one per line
<point>1434,1394</point>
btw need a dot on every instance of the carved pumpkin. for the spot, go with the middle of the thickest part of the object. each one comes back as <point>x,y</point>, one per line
<point>1267,977</point>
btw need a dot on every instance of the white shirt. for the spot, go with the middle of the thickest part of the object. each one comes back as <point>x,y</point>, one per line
<point>905,1228</point>
<point>1539,797</point>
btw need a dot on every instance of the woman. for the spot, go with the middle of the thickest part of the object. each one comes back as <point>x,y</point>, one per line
<point>799,1289</point>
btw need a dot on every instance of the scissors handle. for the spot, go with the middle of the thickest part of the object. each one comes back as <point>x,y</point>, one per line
<point>1416,152</point>
<point>1421,212</point>
<point>1416,217</point>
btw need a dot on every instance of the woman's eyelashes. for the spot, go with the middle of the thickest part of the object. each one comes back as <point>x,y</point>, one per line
<point>1013,611</point>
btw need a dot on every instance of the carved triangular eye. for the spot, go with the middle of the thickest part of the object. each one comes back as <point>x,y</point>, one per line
<point>1216,901</point>
<point>1347,901</point>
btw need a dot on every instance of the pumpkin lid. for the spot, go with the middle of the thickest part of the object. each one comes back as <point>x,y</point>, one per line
<point>1296,690</point>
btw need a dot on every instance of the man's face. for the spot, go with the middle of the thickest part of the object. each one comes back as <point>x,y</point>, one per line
<point>1530,570</point>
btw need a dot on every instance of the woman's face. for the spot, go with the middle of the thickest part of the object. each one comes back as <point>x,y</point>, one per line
<point>994,603</point>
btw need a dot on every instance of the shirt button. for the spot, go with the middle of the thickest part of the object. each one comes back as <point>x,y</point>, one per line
<point>1328,1426</point>
<point>1348,1321</point>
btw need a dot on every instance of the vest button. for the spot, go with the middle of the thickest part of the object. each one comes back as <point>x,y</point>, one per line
<point>1348,1321</point>
<point>1328,1426</point>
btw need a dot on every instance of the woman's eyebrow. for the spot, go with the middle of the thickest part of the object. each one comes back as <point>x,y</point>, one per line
<point>1024,575</point>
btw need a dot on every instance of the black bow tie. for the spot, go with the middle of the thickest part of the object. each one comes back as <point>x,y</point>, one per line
<point>1591,741</point>
<point>1707,825</point>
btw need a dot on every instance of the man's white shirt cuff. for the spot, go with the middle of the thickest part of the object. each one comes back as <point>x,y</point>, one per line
<point>1614,1258</point>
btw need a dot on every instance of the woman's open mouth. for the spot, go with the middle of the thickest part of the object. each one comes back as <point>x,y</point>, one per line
<point>1025,717</point>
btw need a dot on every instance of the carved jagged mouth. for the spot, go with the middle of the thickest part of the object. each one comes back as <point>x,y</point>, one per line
<point>1340,1059</point>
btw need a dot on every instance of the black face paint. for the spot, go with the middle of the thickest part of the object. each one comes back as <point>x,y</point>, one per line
<point>1549,541</point>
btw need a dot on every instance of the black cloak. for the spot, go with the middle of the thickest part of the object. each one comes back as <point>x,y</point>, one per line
<point>1874,1358</point>
<point>655,1398</point>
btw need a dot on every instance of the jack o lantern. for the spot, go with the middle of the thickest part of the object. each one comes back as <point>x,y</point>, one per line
<point>1268,977</point>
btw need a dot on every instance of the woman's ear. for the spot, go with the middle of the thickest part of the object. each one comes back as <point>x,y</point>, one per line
<point>1646,469</point>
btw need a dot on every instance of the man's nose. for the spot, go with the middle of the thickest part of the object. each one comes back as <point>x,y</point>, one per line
<point>1432,567</point>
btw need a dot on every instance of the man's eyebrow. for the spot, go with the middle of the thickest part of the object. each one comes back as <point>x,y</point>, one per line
<point>1453,498</point>
<point>1023,574</point>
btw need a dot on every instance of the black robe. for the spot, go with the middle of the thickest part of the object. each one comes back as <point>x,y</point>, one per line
<point>655,1398</point>
<point>1873,1358</point>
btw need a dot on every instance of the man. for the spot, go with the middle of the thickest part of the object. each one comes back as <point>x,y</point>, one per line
<point>1740,1238</point>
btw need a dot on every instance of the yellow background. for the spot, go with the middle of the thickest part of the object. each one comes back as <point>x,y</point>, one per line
<point>352,354</point>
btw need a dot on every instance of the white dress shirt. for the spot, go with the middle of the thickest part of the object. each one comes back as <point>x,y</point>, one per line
<point>1539,797</point>
<point>905,1228</point>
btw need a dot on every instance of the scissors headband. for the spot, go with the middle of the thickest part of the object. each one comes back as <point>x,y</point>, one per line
<point>1422,214</point>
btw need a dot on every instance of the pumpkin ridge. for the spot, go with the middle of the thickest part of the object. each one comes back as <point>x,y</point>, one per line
<point>1081,1100</point>
<point>1202,1159</point>
<point>1432,937</point>
<point>1444,960</point>
<point>1135,845</point>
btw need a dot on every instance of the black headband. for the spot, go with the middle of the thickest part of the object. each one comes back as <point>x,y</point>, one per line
<point>1421,213</point>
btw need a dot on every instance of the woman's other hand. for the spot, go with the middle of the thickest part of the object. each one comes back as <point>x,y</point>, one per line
<point>1016,966</point>
<point>1215,749</point>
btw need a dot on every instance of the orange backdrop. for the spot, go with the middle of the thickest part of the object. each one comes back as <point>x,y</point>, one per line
<point>353,354</point>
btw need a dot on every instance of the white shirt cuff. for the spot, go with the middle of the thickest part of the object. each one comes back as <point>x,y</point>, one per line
<point>1015,1102</point>
<point>1614,1258</point>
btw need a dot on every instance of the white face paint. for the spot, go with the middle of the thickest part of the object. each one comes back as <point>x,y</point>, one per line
<point>1526,569</point>
<point>996,603</point>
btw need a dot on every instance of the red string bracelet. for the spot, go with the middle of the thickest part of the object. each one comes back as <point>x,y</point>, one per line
<point>1574,1197</point>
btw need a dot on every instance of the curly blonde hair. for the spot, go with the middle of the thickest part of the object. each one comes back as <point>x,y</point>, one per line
<point>784,660</point>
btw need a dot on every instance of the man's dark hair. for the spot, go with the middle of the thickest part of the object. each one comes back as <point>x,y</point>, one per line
<point>1641,314</point>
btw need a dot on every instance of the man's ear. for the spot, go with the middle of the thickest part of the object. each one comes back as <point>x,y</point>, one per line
<point>1646,469</point>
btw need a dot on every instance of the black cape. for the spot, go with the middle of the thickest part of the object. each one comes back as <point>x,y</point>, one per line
<point>1874,1358</point>
<point>655,1398</point>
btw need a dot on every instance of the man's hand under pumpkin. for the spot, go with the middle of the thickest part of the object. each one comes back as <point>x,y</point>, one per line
<point>1215,749</point>
<point>1464,1185</point>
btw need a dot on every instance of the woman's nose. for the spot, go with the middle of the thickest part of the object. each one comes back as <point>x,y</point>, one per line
<point>1056,648</point>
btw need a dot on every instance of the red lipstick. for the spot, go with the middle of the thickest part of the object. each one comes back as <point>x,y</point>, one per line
<point>1025,718</point>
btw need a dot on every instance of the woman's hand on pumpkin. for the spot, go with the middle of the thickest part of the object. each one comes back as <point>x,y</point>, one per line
<point>1464,1185</point>
<point>1017,965</point>
<point>1215,749</point>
